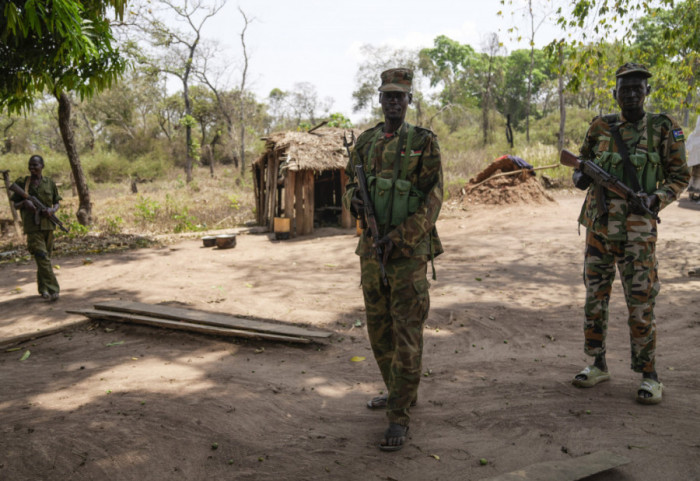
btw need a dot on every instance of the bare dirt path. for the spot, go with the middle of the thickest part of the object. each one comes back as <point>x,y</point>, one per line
<point>502,341</point>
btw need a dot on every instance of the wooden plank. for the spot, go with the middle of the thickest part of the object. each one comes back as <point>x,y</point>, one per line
<point>184,326</point>
<point>572,469</point>
<point>208,318</point>
<point>29,336</point>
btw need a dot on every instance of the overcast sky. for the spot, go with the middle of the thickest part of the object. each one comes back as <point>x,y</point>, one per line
<point>318,41</point>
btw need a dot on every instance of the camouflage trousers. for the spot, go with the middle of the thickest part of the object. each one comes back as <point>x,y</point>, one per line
<point>636,262</point>
<point>395,317</point>
<point>40,245</point>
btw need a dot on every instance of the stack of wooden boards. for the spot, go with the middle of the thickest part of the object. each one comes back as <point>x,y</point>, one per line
<point>200,321</point>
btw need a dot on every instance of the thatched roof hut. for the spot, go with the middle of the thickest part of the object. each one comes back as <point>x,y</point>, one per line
<point>301,176</point>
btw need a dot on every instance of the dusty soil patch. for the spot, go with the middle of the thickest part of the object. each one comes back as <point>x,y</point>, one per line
<point>501,344</point>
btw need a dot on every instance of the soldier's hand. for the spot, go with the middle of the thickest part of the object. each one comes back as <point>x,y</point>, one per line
<point>29,205</point>
<point>386,245</point>
<point>357,203</point>
<point>581,180</point>
<point>651,202</point>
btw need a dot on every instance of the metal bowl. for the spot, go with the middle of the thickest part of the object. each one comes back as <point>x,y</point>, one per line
<point>209,241</point>
<point>226,241</point>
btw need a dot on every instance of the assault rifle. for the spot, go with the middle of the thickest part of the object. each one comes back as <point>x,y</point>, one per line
<point>609,181</point>
<point>368,207</point>
<point>40,208</point>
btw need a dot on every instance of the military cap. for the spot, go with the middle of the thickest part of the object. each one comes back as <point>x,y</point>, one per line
<point>396,80</point>
<point>631,68</point>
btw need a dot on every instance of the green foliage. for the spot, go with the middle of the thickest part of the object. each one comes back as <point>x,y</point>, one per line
<point>55,46</point>
<point>146,209</point>
<point>184,221</point>
<point>113,224</point>
<point>75,229</point>
<point>339,120</point>
<point>235,201</point>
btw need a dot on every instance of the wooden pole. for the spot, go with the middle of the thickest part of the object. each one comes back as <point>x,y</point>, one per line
<point>346,220</point>
<point>15,217</point>
<point>312,200</point>
<point>513,172</point>
<point>300,178</point>
<point>289,198</point>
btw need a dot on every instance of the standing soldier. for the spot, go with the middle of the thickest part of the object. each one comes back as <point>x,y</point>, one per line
<point>404,175</point>
<point>647,153</point>
<point>39,229</point>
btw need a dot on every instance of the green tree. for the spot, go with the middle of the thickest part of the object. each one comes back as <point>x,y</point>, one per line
<point>58,46</point>
<point>176,51</point>
<point>668,40</point>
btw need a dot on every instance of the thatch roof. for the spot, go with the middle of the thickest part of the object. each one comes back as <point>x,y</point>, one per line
<point>319,150</point>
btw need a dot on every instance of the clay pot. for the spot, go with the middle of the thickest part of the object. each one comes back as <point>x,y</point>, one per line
<point>226,241</point>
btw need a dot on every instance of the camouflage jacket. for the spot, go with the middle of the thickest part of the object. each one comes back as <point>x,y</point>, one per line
<point>416,235</point>
<point>656,148</point>
<point>47,193</point>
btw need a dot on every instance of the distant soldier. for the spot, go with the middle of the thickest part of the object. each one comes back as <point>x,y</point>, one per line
<point>39,229</point>
<point>404,173</point>
<point>647,153</point>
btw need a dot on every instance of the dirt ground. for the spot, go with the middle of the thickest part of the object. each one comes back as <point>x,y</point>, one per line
<point>503,339</point>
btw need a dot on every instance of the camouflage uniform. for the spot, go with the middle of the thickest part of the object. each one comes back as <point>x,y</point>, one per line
<point>396,313</point>
<point>626,239</point>
<point>40,236</point>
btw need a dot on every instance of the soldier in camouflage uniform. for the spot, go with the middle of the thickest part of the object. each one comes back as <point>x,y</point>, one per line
<point>404,174</point>
<point>39,235</point>
<point>616,234</point>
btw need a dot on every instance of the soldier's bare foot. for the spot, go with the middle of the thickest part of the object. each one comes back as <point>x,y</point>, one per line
<point>45,295</point>
<point>394,437</point>
<point>54,297</point>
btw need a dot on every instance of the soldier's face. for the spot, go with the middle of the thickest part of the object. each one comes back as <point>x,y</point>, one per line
<point>35,168</point>
<point>630,93</point>
<point>394,104</point>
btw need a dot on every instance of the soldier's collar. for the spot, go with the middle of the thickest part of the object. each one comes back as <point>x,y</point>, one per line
<point>623,120</point>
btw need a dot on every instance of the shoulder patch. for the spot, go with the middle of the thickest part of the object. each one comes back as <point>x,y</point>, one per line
<point>678,134</point>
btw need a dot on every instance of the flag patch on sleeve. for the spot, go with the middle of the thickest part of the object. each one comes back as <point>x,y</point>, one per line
<point>678,134</point>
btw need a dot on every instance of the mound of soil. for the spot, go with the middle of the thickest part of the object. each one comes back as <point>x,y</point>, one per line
<point>509,189</point>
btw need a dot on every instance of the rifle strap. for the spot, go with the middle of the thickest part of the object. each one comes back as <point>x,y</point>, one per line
<point>630,171</point>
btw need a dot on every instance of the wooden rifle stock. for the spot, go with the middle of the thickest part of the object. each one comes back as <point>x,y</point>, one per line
<point>607,180</point>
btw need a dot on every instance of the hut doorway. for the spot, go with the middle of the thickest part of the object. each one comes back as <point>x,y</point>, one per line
<point>328,198</point>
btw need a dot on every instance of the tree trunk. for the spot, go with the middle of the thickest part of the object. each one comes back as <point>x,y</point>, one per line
<point>84,213</point>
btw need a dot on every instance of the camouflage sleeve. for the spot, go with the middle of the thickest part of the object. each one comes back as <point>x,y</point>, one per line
<point>673,161</point>
<point>413,230</point>
<point>587,150</point>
